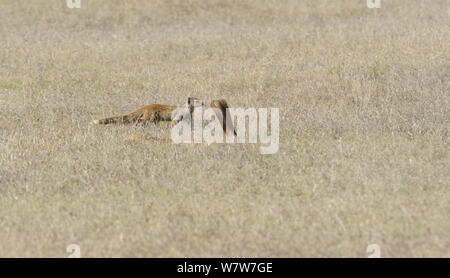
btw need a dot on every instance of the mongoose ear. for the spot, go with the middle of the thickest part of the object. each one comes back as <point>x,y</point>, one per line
<point>190,103</point>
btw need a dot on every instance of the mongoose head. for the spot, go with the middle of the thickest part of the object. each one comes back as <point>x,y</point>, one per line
<point>222,105</point>
<point>219,103</point>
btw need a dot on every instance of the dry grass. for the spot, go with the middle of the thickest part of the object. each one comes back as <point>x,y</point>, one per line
<point>364,144</point>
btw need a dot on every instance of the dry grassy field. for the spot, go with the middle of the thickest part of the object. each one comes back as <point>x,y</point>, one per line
<point>364,118</point>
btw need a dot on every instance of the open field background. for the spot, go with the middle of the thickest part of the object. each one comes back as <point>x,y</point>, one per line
<point>364,145</point>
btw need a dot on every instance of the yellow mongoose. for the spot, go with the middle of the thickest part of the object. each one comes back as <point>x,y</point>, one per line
<point>150,113</point>
<point>221,104</point>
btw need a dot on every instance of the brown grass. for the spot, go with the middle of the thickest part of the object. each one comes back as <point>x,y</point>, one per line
<point>364,144</point>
